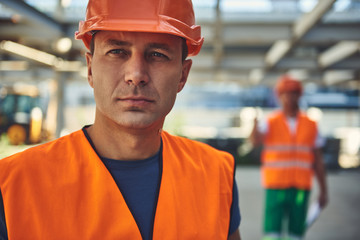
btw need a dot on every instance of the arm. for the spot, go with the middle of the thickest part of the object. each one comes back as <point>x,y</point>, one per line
<point>320,174</point>
<point>256,137</point>
<point>235,235</point>
<point>3,231</point>
<point>235,218</point>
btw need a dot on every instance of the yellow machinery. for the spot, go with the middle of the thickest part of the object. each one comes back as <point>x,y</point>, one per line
<point>21,117</point>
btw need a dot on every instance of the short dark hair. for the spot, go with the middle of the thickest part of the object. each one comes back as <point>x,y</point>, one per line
<point>185,49</point>
<point>92,43</point>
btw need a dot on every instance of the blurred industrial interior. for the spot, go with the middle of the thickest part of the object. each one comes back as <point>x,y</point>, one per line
<point>248,44</point>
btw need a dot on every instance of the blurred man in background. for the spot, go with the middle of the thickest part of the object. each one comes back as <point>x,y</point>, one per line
<point>291,154</point>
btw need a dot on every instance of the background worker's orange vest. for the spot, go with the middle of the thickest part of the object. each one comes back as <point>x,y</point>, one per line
<point>287,159</point>
<point>62,190</point>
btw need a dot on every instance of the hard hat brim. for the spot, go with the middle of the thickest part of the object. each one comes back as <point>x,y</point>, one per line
<point>164,24</point>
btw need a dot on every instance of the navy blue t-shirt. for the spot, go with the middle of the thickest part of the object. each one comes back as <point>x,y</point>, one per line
<point>3,231</point>
<point>139,183</point>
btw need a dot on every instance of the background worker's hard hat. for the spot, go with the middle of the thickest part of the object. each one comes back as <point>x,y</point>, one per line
<point>288,84</point>
<point>174,17</point>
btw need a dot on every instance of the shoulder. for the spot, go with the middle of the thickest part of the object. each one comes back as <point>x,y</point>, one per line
<point>198,153</point>
<point>39,155</point>
<point>196,160</point>
<point>304,117</point>
<point>274,115</point>
<point>275,119</point>
<point>45,147</point>
<point>192,146</point>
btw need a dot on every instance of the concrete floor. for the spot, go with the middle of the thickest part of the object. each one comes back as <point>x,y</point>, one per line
<point>339,221</point>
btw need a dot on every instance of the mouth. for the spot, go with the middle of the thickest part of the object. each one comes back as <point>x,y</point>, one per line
<point>136,101</point>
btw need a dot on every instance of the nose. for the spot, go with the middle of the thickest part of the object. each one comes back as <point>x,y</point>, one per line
<point>136,70</point>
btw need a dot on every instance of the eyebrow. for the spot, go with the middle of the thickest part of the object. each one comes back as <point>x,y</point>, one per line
<point>163,46</point>
<point>116,42</point>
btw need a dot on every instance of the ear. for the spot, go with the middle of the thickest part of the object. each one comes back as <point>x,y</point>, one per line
<point>89,56</point>
<point>186,66</point>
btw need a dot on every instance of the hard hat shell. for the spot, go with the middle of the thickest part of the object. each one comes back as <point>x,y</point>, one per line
<point>287,84</point>
<point>174,17</point>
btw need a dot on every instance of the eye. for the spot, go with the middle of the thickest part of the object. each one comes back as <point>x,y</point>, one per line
<point>158,56</point>
<point>117,52</point>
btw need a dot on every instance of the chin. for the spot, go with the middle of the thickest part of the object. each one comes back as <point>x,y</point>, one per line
<point>138,120</point>
<point>136,123</point>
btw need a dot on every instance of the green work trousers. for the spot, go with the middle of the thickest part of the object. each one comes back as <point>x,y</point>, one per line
<point>285,212</point>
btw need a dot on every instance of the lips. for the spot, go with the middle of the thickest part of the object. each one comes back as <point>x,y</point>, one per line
<point>140,98</point>
<point>136,101</point>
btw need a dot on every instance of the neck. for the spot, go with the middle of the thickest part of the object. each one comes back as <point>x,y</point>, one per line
<point>116,142</point>
<point>291,112</point>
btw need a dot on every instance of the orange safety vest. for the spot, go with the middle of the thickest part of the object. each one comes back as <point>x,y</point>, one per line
<point>62,190</point>
<point>287,159</point>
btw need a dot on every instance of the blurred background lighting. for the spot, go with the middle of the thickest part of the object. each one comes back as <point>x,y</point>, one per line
<point>65,3</point>
<point>63,45</point>
<point>350,146</point>
<point>28,52</point>
<point>315,114</point>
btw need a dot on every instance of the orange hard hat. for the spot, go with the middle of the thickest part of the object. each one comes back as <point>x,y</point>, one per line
<point>174,17</point>
<point>288,84</point>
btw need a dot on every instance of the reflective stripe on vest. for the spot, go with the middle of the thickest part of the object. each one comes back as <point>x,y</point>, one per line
<point>288,148</point>
<point>287,159</point>
<point>62,190</point>
<point>288,163</point>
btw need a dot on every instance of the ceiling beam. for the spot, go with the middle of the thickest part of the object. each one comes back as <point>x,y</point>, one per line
<point>246,78</point>
<point>281,47</point>
<point>338,52</point>
<point>250,61</point>
<point>277,51</point>
<point>241,35</point>
<point>34,15</point>
<point>42,57</point>
<point>337,76</point>
<point>307,21</point>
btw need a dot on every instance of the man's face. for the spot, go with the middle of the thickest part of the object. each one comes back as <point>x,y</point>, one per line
<point>136,77</point>
<point>289,99</point>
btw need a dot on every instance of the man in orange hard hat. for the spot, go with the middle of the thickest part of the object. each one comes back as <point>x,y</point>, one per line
<point>123,177</point>
<point>290,156</point>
